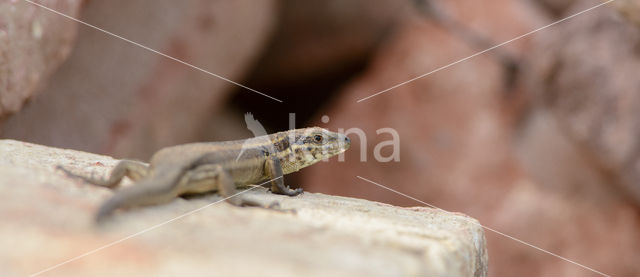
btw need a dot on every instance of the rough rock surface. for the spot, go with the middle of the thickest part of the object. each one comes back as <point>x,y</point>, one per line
<point>47,219</point>
<point>595,99</point>
<point>117,98</point>
<point>33,42</point>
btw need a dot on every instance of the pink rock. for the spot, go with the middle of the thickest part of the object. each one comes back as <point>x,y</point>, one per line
<point>458,130</point>
<point>595,99</point>
<point>33,43</point>
<point>117,98</point>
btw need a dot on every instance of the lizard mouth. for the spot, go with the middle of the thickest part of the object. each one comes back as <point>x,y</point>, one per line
<point>343,143</point>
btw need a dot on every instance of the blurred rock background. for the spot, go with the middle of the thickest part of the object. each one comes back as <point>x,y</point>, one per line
<point>537,139</point>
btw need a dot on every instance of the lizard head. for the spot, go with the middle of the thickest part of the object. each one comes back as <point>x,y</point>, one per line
<point>310,145</point>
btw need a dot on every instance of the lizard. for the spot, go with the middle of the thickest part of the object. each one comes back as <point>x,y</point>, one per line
<point>224,167</point>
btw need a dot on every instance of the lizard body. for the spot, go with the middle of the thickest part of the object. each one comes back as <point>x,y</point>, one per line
<point>218,166</point>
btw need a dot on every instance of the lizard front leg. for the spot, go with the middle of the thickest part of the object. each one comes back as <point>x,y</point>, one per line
<point>273,169</point>
<point>133,169</point>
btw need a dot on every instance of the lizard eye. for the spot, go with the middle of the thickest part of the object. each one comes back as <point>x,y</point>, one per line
<point>317,138</point>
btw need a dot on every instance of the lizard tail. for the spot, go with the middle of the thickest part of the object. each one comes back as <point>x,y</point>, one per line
<point>153,190</point>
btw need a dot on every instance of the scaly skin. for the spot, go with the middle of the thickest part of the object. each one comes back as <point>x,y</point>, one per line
<point>218,166</point>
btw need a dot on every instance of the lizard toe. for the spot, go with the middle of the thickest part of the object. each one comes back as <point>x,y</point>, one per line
<point>295,192</point>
